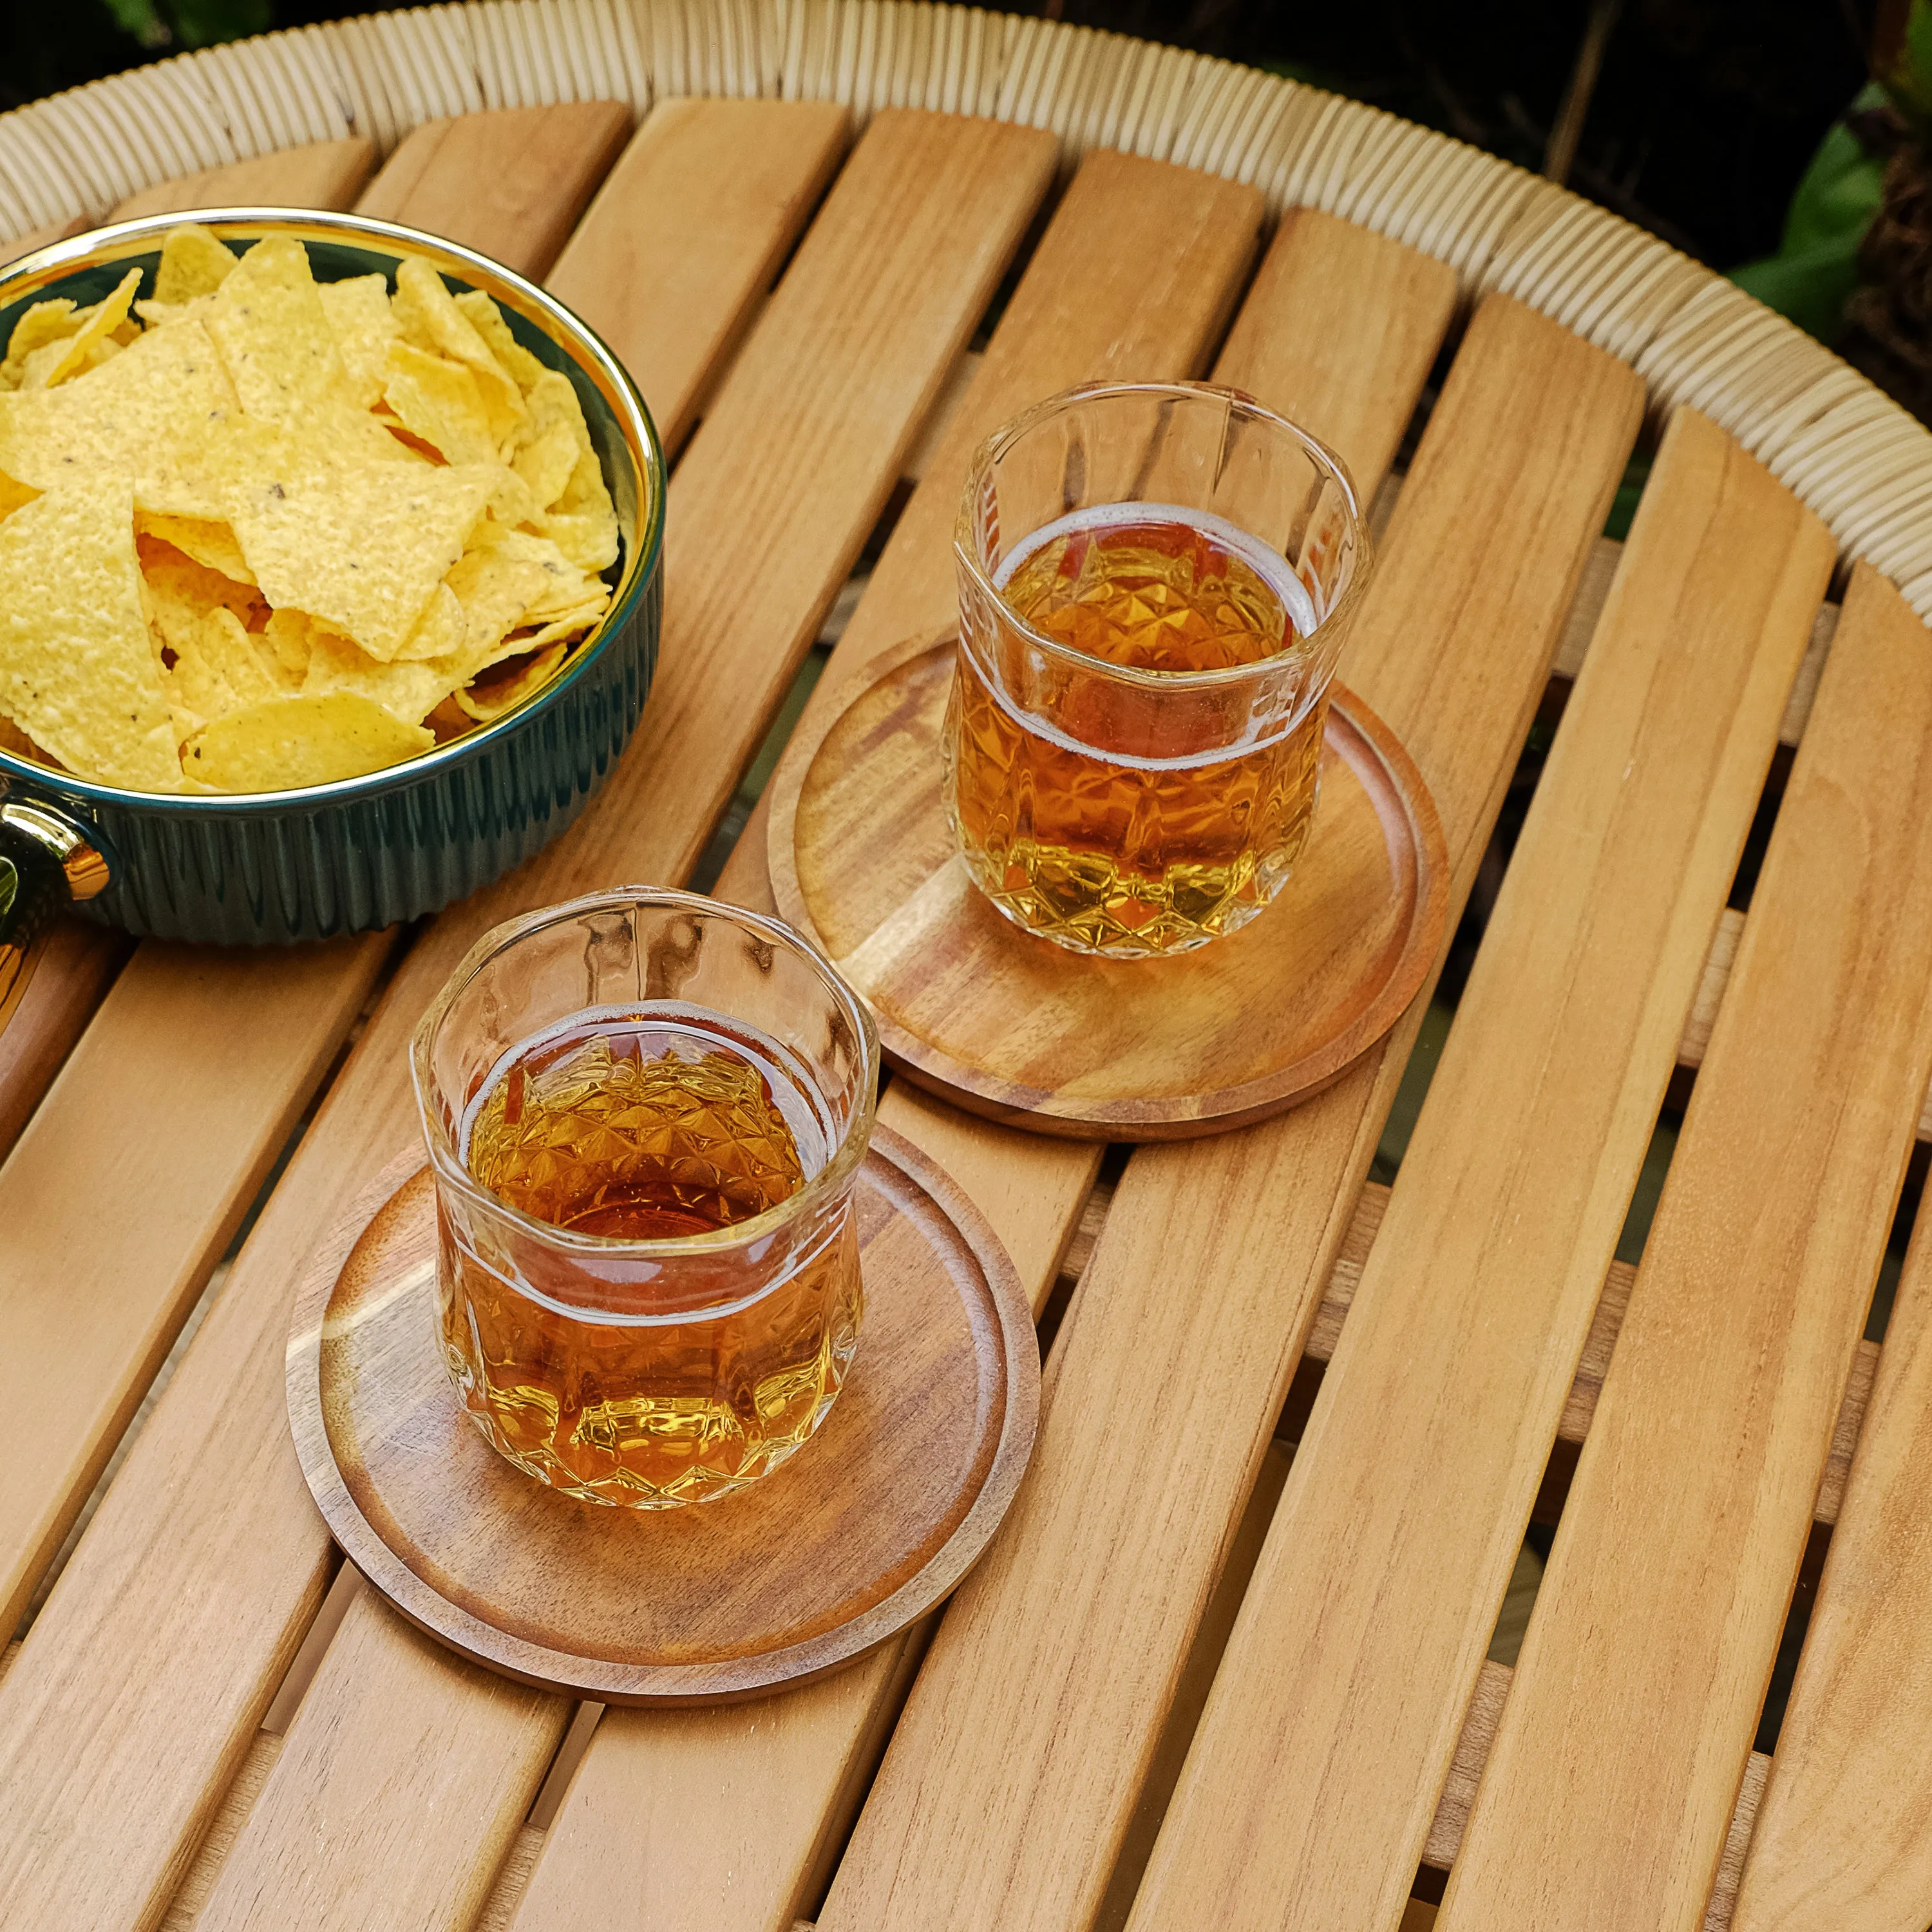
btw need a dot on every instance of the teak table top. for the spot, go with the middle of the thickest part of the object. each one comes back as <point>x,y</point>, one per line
<point>1231,1661</point>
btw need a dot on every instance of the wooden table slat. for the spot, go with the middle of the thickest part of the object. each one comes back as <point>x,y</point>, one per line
<point>185,1601</point>
<point>1012,1777</point>
<point>1611,1783</point>
<point>415,1829</point>
<point>1843,1841</point>
<point>687,233</point>
<point>542,164</point>
<point>125,1187</point>
<point>1335,1716</point>
<point>1466,1772</point>
<point>77,965</point>
<point>790,1783</point>
<point>1088,309</point>
<point>325,174</point>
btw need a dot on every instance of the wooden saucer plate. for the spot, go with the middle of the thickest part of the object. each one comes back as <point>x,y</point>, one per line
<point>870,1523</point>
<point>1014,1027</point>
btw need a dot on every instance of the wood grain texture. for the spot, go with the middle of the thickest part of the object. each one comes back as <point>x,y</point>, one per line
<point>1609,1791</point>
<point>190,1592</point>
<point>1356,300</point>
<point>1335,1719</point>
<point>1087,309</point>
<point>223,1830</point>
<point>327,174</point>
<point>676,1607</point>
<point>1465,1773</point>
<point>77,965</point>
<point>510,183</point>
<point>724,1818</point>
<point>686,234</point>
<point>39,237</point>
<point>623,1825</point>
<point>1612,1302</point>
<point>863,857</point>
<point>1033,1192</point>
<point>89,1315</point>
<point>1719,1911</point>
<point>1012,1778</point>
<point>406,1875</point>
<point>1843,1841</point>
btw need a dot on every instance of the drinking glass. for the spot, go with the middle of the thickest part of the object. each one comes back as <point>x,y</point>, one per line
<point>645,1059</point>
<point>1135,773</point>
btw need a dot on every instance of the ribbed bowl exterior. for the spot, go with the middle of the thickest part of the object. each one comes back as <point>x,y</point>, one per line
<point>272,868</point>
<point>273,875</point>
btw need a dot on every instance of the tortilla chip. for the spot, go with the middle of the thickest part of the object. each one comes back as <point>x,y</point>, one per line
<point>192,263</point>
<point>588,538</point>
<point>358,310</point>
<point>580,520</point>
<point>547,463</point>
<point>409,688</point>
<point>13,495</point>
<point>348,513</point>
<point>267,321</point>
<point>511,502</point>
<point>438,402</point>
<point>490,698</point>
<point>208,543</point>
<point>494,590</point>
<point>181,593</point>
<point>46,322</point>
<point>284,742</point>
<point>572,623</point>
<point>284,643</point>
<point>430,318</point>
<point>359,547</point>
<point>141,415</point>
<point>486,319</point>
<point>87,345</point>
<point>158,315</point>
<point>566,586</point>
<point>438,632</point>
<point>217,669</point>
<point>78,672</point>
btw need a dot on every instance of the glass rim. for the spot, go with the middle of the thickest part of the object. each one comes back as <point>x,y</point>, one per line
<point>1325,459</point>
<point>834,1177</point>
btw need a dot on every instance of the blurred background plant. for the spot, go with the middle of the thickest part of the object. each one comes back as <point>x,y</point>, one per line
<point>1787,136</point>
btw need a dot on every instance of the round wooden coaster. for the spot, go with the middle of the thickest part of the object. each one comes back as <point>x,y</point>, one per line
<point>1018,1029</point>
<point>871,1524</point>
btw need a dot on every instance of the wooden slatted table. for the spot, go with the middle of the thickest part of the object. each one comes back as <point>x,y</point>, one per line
<point>1234,1659</point>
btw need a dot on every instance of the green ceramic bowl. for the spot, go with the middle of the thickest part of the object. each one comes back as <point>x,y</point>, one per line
<point>273,867</point>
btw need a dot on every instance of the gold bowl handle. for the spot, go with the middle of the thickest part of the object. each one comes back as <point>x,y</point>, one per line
<point>47,863</point>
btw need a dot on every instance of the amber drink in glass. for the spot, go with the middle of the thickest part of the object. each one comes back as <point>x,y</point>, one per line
<point>646,1111</point>
<point>1155,582</point>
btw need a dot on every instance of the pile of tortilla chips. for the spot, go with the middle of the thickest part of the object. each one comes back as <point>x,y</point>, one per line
<point>259,532</point>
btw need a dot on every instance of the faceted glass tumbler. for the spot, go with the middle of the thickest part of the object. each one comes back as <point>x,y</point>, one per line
<point>1111,808</point>
<point>651,1373</point>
